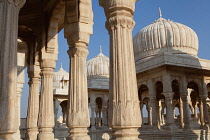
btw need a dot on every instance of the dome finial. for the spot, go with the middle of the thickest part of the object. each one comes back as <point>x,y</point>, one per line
<point>100,49</point>
<point>61,65</point>
<point>160,13</point>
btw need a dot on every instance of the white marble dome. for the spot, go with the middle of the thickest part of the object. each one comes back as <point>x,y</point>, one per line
<point>165,36</point>
<point>61,74</point>
<point>98,66</point>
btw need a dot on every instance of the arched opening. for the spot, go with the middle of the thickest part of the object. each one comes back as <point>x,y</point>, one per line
<point>99,104</point>
<point>143,100</point>
<point>177,104</point>
<point>193,97</point>
<point>64,109</point>
<point>160,102</point>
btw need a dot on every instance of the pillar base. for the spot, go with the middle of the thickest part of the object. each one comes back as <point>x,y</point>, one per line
<point>93,128</point>
<point>206,127</point>
<point>202,126</point>
<point>78,134</point>
<point>187,127</point>
<point>32,134</point>
<point>170,127</point>
<point>6,136</point>
<point>16,136</point>
<point>46,134</point>
<point>125,134</point>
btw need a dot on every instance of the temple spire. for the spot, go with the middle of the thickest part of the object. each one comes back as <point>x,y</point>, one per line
<point>61,65</point>
<point>100,49</point>
<point>160,13</point>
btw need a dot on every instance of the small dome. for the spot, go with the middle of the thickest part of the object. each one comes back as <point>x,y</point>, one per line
<point>61,74</point>
<point>165,36</point>
<point>98,66</point>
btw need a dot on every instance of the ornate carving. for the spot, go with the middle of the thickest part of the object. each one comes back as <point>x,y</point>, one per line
<point>120,21</point>
<point>52,45</point>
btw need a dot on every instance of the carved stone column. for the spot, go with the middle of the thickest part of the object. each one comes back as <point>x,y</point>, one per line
<point>104,120</point>
<point>205,108</point>
<point>152,99</point>
<point>169,110</point>
<point>187,117</point>
<point>78,114</point>
<point>78,28</point>
<point>181,114</point>
<point>168,93</point>
<point>20,82</point>
<point>46,110</point>
<point>33,103</point>
<point>9,11</point>
<point>201,113</point>
<point>93,120</point>
<point>124,111</point>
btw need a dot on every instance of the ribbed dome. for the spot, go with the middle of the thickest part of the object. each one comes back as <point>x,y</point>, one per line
<point>61,74</point>
<point>98,66</point>
<point>165,36</point>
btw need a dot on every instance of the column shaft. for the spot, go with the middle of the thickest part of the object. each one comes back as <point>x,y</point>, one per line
<point>201,113</point>
<point>169,110</point>
<point>104,120</point>
<point>46,110</point>
<point>124,111</point>
<point>168,93</point>
<point>78,114</point>
<point>153,104</point>
<point>93,121</point>
<point>181,114</point>
<point>186,112</point>
<point>33,106</point>
<point>9,11</point>
<point>20,82</point>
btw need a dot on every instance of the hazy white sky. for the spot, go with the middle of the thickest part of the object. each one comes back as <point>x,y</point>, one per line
<point>193,13</point>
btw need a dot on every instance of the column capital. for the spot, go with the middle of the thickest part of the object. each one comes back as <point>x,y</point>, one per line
<point>203,97</point>
<point>113,5</point>
<point>79,50</point>
<point>168,95</point>
<point>48,63</point>
<point>17,3</point>
<point>120,21</point>
<point>152,98</point>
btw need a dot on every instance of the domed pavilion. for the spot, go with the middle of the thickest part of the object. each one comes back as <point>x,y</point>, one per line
<point>173,82</point>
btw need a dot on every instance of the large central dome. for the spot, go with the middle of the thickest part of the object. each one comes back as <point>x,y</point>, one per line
<point>165,36</point>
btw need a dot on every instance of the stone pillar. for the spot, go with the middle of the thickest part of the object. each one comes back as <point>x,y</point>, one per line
<point>195,111</point>
<point>125,117</point>
<point>56,108</point>
<point>205,111</point>
<point>187,117</point>
<point>9,11</point>
<point>104,120</point>
<point>159,113</point>
<point>33,103</point>
<point>78,28</point>
<point>149,109</point>
<point>78,113</point>
<point>169,110</point>
<point>20,82</point>
<point>64,117</point>
<point>93,120</point>
<point>168,93</point>
<point>152,99</point>
<point>181,114</point>
<point>205,108</point>
<point>201,113</point>
<point>46,110</point>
